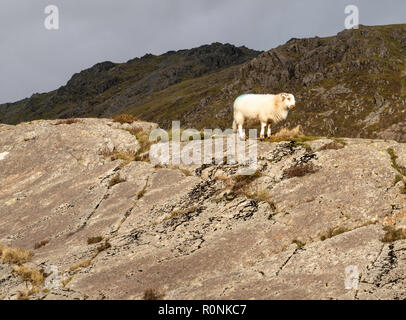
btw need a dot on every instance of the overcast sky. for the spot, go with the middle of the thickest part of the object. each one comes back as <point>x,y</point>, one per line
<point>34,59</point>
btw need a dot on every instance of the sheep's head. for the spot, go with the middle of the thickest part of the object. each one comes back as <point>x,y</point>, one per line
<point>288,99</point>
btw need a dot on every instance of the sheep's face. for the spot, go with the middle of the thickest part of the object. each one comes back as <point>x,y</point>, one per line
<point>288,99</point>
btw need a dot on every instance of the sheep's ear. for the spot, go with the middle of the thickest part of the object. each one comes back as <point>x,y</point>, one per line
<point>283,97</point>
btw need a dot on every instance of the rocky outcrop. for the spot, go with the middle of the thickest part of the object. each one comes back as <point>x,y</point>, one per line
<point>309,224</point>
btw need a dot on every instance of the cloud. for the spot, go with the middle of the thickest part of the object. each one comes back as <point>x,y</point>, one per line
<point>33,59</point>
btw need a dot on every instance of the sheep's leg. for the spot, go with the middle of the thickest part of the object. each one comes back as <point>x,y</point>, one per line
<point>269,133</point>
<point>241,132</point>
<point>263,125</point>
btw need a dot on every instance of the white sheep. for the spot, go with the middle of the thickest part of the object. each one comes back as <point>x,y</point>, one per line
<point>266,108</point>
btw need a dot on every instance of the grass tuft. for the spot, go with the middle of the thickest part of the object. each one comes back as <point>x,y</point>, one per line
<point>116,180</point>
<point>15,255</point>
<point>333,232</point>
<point>331,146</point>
<point>299,170</point>
<point>299,243</point>
<point>67,121</point>
<point>177,213</point>
<point>35,277</point>
<point>395,165</point>
<point>93,240</point>
<point>145,144</point>
<point>393,234</point>
<point>41,244</point>
<point>81,264</point>
<point>106,245</point>
<point>152,294</point>
<point>25,295</point>
<point>125,118</point>
<point>239,182</point>
<point>296,134</point>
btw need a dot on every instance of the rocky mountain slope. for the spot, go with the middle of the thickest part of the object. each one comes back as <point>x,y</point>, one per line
<point>351,85</point>
<point>109,88</point>
<point>81,219</point>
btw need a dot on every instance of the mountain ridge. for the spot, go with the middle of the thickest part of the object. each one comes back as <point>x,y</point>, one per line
<point>351,85</point>
<point>101,89</point>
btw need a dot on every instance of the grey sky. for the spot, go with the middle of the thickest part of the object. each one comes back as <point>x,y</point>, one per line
<point>33,59</point>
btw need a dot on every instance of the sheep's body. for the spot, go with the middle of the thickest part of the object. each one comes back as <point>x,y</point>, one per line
<point>266,108</point>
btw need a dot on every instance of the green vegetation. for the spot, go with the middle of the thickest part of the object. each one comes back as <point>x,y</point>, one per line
<point>395,165</point>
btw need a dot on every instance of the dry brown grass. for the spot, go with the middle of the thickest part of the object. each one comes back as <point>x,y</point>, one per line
<point>289,133</point>
<point>391,221</point>
<point>186,172</point>
<point>333,232</point>
<point>106,245</point>
<point>65,281</point>
<point>15,255</point>
<point>239,183</point>
<point>145,144</point>
<point>93,240</point>
<point>262,195</point>
<point>127,157</point>
<point>296,134</point>
<point>239,186</point>
<point>393,234</point>
<point>25,295</point>
<point>116,180</point>
<point>67,121</point>
<point>331,146</point>
<point>299,170</point>
<point>142,192</point>
<point>125,118</point>
<point>81,264</point>
<point>35,277</point>
<point>152,294</point>
<point>177,213</point>
<point>41,243</point>
<point>299,243</point>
